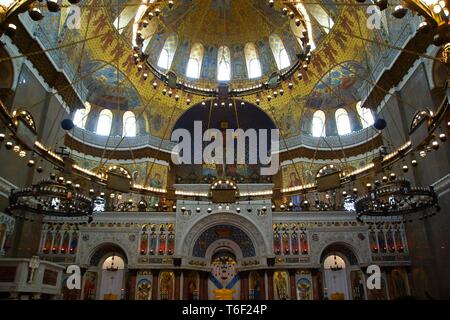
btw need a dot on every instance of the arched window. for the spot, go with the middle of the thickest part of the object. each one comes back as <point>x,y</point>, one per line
<point>129,124</point>
<point>104,122</point>
<point>365,115</point>
<point>318,124</point>
<point>300,7</point>
<point>168,52</point>
<point>279,52</point>
<point>320,15</point>
<point>195,61</point>
<point>252,59</point>
<point>342,121</point>
<point>80,117</point>
<point>223,64</point>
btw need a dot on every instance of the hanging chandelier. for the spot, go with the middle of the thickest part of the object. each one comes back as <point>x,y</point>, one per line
<point>51,197</point>
<point>395,198</point>
<point>336,266</point>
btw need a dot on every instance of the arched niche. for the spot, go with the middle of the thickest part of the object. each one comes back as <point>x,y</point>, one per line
<point>340,249</point>
<point>261,243</point>
<point>100,253</point>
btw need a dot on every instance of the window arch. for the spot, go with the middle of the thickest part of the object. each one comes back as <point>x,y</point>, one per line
<point>252,59</point>
<point>342,121</point>
<point>300,7</point>
<point>129,124</point>
<point>195,61</point>
<point>223,64</point>
<point>279,52</point>
<point>80,117</point>
<point>104,122</point>
<point>365,115</point>
<point>318,124</point>
<point>168,52</point>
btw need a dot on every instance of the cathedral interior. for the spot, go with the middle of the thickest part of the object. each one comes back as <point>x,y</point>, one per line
<point>117,118</point>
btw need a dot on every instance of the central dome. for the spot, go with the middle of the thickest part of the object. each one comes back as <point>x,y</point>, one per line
<point>205,42</point>
<point>225,22</point>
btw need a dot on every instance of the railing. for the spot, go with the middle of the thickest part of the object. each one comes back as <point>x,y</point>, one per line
<point>334,142</point>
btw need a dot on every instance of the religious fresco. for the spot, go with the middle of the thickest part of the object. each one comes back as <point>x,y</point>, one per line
<point>304,286</point>
<point>166,285</point>
<point>109,88</point>
<point>281,285</point>
<point>304,172</point>
<point>193,284</point>
<point>255,279</point>
<point>90,285</point>
<point>340,64</point>
<point>224,277</point>
<point>143,289</point>
<point>338,87</point>
<point>223,232</point>
<point>357,281</point>
<point>398,283</point>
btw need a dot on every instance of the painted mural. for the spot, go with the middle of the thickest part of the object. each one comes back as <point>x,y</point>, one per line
<point>224,232</point>
<point>143,289</point>
<point>224,278</point>
<point>281,285</point>
<point>304,286</point>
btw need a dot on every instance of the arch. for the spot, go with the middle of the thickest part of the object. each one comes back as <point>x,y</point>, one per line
<point>219,245</point>
<point>129,124</point>
<point>168,52</point>
<point>341,249</point>
<point>342,121</point>
<point>81,115</point>
<point>365,115</point>
<point>252,60</point>
<point>223,64</point>
<point>204,223</point>
<point>104,122</point>
<point>319,14</point>
<point>279,52</point>
<point>301,8</point>
<point>194,65</point>
<point>225,232</point>
<point>318,124</point>
<point>101,252</point>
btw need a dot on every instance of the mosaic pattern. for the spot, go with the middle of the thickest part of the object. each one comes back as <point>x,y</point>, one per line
<point>224,232</point>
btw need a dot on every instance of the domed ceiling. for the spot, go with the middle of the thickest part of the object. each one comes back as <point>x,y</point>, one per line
<point>247,29</point>
<point>345,55</point>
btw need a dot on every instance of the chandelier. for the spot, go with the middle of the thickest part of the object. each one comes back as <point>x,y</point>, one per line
<point>111,267</point>
<point>51,197</point>
<point>395,198</point>
<point>336,266</point>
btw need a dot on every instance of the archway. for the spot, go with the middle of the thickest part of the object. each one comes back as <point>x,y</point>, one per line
<point>105,277</point>
<point>223,247</point>
<point>342,276</point>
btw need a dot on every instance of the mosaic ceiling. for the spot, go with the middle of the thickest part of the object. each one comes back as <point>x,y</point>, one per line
<point>341,64</point>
